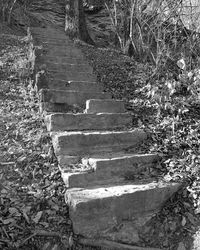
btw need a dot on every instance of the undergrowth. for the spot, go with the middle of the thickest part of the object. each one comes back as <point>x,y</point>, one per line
<point>169,111</point>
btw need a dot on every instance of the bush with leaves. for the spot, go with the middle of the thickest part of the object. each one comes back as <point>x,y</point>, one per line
<point>155,32</point>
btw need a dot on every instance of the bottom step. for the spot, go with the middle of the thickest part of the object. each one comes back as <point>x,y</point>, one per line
<point>116,213</point>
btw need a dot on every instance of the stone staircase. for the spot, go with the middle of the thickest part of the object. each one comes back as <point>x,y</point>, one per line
<point>111,194</point>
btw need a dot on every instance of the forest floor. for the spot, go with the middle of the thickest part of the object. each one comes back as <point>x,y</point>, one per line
<point>33,214</point>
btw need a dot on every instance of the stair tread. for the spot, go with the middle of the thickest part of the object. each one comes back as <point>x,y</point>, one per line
<point>85,114</point>
<point>99,192</point>
<point>94,132</point>
<point>82,121</point>
<point>121,155</point>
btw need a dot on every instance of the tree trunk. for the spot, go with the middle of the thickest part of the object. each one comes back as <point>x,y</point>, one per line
<point>75,23</point>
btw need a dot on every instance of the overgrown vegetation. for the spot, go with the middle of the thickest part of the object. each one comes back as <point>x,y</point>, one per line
<point>156,32</point>
<point>26,13</point>
<point>169,110</point>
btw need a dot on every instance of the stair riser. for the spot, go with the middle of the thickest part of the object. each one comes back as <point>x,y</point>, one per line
<point>75,86</point>
<point>73,53</point>
<point>69,68</point>
<point>97,106</point>
<point>69,122</point>
<point>59,107</point>
<point>100,178</point>
<point>72,76</point>
<point>112,172</point>
<point>69,98</point>
<point>87,144</point>
<point>63,59</point>
<point>97,217</point>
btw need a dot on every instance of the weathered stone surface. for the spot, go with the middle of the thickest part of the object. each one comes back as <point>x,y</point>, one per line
<point>57,107</point>
<point>68,160</point>
<point>75,86</point>
<point>109,171</point>
<point>107,106</point>
<point>69,52</point>
<point>116,212</point>
<point>63,59</point>
<point>71,76</point>
<point>68,97</point>
<point>69,67</point>
<point>88,143</point>
<point>67,122</point>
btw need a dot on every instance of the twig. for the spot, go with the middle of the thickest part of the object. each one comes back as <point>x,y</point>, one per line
<point>41,233</point>
<point>27,239</point>
<point>7,163</point>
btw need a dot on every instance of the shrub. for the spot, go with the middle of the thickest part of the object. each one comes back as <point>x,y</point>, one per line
<point>156,32</point>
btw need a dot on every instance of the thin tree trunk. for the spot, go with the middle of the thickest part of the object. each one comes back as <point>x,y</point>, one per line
<point>75,23</point>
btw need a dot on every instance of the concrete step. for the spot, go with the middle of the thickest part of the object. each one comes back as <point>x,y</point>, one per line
<point>105,106</point>
<point>115,170</point>
<point>68,97</point>
<point>117,212</point>
<point>70,122</point>
<point>69,67</point>
<point>88,143</point>
<point>72,76</point>
<point>75,86</point>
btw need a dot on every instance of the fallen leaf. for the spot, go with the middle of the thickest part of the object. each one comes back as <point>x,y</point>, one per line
<point>183,222</point>
<point>13,211</point>
<point>191,218</point>
<point>8,221</point>
<point>181,246</point>
<point>38,217</point>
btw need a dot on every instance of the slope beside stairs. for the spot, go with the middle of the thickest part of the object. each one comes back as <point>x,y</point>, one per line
<point>106,195</point>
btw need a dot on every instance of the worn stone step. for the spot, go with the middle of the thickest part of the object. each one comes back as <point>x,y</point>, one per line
<point>75,85</point>
<point>105,106</point>
<point>68,97</point>
<point>72,76</point>
<point>63,42</point>
<point>63,59</point>
<point>115,170</point>
<point>48,33</point>
<point>92,142</point>
<point>70,122</point>
<point>45,41</point>
<point>69,67</point>
<point>116,212</point>
<point>68,51</point>
<point>49,108</point>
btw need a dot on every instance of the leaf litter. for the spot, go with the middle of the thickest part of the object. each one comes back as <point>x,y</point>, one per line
<point>175,138</point>
<point>33,214</point>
